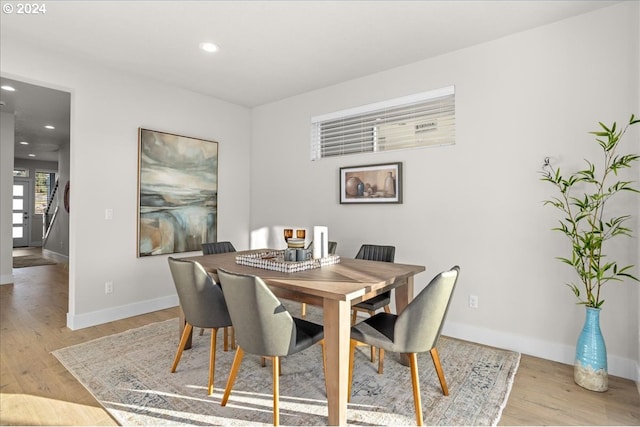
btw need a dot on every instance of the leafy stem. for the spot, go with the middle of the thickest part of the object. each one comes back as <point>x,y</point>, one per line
<point>584,222</point>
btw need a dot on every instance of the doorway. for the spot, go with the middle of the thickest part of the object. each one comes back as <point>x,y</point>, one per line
<point>21,212</point>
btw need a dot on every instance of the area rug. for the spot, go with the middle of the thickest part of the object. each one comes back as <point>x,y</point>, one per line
<point>30,261</point>
<point>129,374</point>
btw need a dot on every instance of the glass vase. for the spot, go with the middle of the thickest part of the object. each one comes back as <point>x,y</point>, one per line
<point>590,368</point>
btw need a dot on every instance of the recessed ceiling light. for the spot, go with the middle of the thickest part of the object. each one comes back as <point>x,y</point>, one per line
<point>8,88</point>
<point>208,47</point>
<point>31,155</point>
<point>50,127</point>
<point>23,143</point>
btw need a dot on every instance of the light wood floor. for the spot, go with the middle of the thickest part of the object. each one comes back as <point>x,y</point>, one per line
<point>36,390</point>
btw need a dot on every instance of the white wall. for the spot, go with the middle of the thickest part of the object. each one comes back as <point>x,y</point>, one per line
<point>637,179</point>
<point>478,203</point>
<point>7,126</point>
<point>107,109</point>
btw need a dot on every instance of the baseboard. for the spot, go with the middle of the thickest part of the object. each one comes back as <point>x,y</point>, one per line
<point>6,279</point>
<point>617,366</point>
<point>85,320</point>
<point>55,256</point>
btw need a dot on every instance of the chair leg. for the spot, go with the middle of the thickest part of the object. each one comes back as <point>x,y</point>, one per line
<point>263,361</point>
<point>352,353</point>
<point>232,375</point>
<point>354,316</point>
<point>303,310</point>
<point>201,331</point>
<point>276,391</point>
<point>373,349</point>
<point>212,360</point>
<point>416,387</point>
<point>233,338</point>
<point>324,363</point>
<point>226,339</point>
<point>436,362</point>
<point>381,361</point>
<point>183,341</point>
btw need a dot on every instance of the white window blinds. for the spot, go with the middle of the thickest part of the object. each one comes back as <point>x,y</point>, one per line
<point>420,120</point>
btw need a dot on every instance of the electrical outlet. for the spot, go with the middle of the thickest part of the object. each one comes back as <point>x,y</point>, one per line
<point>473,301</point>
<point>108,287</point>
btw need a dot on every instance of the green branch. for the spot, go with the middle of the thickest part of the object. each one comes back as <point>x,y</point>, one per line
<point>583,220</point>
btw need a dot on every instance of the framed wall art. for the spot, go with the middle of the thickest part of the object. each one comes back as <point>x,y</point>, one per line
<point>177,193</point>
<point>381,183</point>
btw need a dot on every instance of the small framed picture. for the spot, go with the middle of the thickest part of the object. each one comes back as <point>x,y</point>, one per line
<point>381,183</point>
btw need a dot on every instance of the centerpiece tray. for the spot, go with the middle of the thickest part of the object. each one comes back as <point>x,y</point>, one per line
<point>274,260</point>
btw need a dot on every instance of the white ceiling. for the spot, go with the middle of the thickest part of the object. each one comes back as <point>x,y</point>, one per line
<point>35,107</point>
<point>270,50</point>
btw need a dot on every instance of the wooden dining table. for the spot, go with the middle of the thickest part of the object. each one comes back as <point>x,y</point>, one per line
<point>335,288</point>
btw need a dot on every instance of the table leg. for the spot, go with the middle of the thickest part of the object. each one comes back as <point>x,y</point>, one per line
<point>337,327</point>
<point>404,295</point>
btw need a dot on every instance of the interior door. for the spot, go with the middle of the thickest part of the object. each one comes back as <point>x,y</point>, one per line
<point>21,213</point>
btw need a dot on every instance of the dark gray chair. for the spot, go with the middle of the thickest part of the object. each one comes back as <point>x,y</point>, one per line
<point>263,327</point>
<point>217,248</point>
<point>203,305</point>
<point>331,246</point>
<point>415,330</point>
<point>374,253</point>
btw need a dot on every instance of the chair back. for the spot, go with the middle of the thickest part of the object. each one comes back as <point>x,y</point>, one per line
<point>217,248</point>
<point>262,325</point>
<point>200,297</point>
<point>331,246</point>
<point>377,253</point>
<point>419,325</point>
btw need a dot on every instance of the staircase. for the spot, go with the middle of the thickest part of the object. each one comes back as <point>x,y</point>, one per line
<point>49,218</point>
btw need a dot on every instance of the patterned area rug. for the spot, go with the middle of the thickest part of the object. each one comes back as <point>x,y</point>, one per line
<point>30,261</point>
<point>128,373</point>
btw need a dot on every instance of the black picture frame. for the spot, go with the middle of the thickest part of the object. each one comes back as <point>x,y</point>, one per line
<point>376,183</point>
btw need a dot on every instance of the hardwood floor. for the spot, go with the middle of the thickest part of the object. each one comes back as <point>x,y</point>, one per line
<point>35,389</point>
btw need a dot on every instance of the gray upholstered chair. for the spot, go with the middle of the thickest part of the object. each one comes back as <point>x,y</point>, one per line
<point>374,253</point>
<point>263,327</point>
<point>217,248</point>
<point>331,246</point>
<point>415,330</point>
<point>203,305</point>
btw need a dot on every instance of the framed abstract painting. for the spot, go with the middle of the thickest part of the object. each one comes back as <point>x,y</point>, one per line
<point>177,193</point>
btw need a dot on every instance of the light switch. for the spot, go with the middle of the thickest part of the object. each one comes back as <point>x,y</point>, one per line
<point>108,213</point>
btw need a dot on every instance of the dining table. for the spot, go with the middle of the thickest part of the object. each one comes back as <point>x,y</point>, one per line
<point>335,288</point>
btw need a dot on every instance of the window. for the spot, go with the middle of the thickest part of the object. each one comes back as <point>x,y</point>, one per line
<point>420,120</point>
<point>45,183</point>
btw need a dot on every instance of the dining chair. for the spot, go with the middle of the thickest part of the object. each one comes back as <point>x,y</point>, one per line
<point>212,248</point>
<point>374,253</point>
<point>203,305</point>
<point>415,330</point>
<point>217,248</point>
<point>331,247</point>
<point>264,327</point>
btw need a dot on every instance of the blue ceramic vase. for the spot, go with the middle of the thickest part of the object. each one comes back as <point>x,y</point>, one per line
<point>590,368</point>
